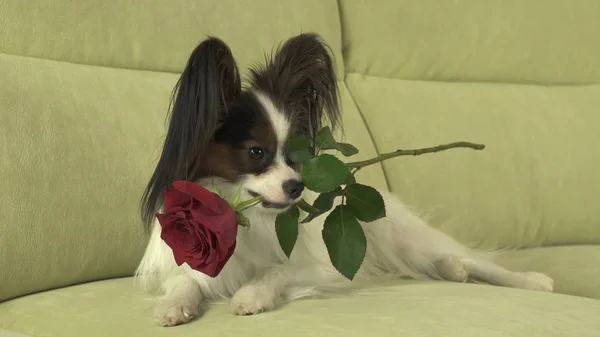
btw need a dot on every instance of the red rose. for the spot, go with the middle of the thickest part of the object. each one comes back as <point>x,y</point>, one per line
<point>199,226</point>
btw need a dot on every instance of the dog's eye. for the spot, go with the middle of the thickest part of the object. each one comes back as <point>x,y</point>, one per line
<point>256,153</point>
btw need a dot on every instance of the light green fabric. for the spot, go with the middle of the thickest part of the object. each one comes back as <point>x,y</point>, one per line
<point>78,144</point>
<point>158,34</point>
<point>79,136</point>
<point>400,308</point>
<point>6,333</point>
<point>537,181</point>
<point>472,40</point>
<point>115,308</point>
<point>574,268</point>
<point>355,132</point>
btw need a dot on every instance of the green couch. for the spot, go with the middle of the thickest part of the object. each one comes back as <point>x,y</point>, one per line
<point>83,99</point>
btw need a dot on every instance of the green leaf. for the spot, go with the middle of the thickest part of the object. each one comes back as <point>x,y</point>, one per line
<point>324,173</point>
<point>236,197</point>
<point>323,203</point>
<point>345,240</point>
<point>325,141</point>
<point>365,201</point>
<point>286,227</point>
<point>242,220</point>
<point>350,179</point>
<point>346,149</point>
<point>305,206</point>
<point>300,149</point>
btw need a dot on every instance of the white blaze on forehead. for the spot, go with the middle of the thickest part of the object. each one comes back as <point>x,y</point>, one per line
<point>279,122</point>
<point>270,183</point>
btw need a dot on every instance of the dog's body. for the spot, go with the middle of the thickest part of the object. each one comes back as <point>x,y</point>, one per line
<point>225,136</point>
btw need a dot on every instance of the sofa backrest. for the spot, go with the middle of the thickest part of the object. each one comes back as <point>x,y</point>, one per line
<point>83,104</point>
<point>86,87</point>
<point>521,77</point>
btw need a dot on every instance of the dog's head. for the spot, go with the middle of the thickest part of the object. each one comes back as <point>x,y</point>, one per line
<point>219,129</point>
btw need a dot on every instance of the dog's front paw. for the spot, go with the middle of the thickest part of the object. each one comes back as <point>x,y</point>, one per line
<point>175,312</point>
<point>252,299</point>
<point>537,281</point>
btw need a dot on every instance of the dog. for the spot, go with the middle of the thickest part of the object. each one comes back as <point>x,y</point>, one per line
<point>228,135</point>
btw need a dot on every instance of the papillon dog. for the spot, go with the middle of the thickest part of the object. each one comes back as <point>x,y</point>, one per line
<point>225,134</point>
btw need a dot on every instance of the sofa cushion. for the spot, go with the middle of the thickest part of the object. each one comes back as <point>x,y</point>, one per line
<point>157,34</point>
<point>574,268</point>
<point>535,183</point>
<point>6,333</point>
<point>115,308</point>
<point>77,144</point>
<point>471,40</point>
<point>549,41</point>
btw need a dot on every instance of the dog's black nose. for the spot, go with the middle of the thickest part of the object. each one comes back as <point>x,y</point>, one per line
<point>293,188</point>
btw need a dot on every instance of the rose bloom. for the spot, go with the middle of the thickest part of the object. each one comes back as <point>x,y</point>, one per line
<point>199,226</point>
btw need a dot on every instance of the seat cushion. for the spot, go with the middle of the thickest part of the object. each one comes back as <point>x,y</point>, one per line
<point>535,183</point>
<point>574,268</point>
<point>416,309</point>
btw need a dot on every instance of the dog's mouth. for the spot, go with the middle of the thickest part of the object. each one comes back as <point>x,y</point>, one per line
<point>269,204</point>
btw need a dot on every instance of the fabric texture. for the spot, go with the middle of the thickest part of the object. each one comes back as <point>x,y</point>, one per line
<point>574,268</point>
<point>78,144</point>
<point>6,333</point>
<point>399,309</point>
<point>534,184</point>
<point>85,93</point>
<point>544,42</point>
<point>159,34</point>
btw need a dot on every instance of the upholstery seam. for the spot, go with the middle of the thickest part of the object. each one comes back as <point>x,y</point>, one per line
<point>362,117</point>
<point>91,65</point>
<point>341,40</point>
<point>17,333</point>
<point>490,82</point>
<point>346,73</point>
<point>342,49</point>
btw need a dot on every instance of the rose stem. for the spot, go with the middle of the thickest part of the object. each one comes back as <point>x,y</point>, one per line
<point>417,152</point>
<point>249,203</point>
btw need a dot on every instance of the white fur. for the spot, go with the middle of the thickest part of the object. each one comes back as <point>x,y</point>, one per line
<point>280,124</point>
<point>259,275</point>
<point>269,184</point>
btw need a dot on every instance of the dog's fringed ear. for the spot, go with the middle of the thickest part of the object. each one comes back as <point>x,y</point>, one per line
<point>198,105</point>
<point>301,77</point>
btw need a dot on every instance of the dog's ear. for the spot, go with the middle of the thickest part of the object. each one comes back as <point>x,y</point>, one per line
<point>300,76</point>
<point>198,105</point>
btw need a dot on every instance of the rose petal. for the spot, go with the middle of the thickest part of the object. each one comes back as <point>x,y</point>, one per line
<point>217,223</point>
<point>201,228</point>
<point>200,248</point>
<point>210,269</point>
<point>170,239</point>
<point>175,198</point>
<point>198,192</point>
<point>224,259</point>
<point>208,251</point>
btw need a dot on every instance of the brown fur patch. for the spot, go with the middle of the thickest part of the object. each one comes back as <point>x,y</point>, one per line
<point>230,162</point>
<point>220,163</point>
<point>264,136</point>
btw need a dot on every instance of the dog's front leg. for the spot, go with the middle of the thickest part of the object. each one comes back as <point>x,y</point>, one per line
<point>181,302</point>
<point>263,293</point>
<point>284,282</point>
